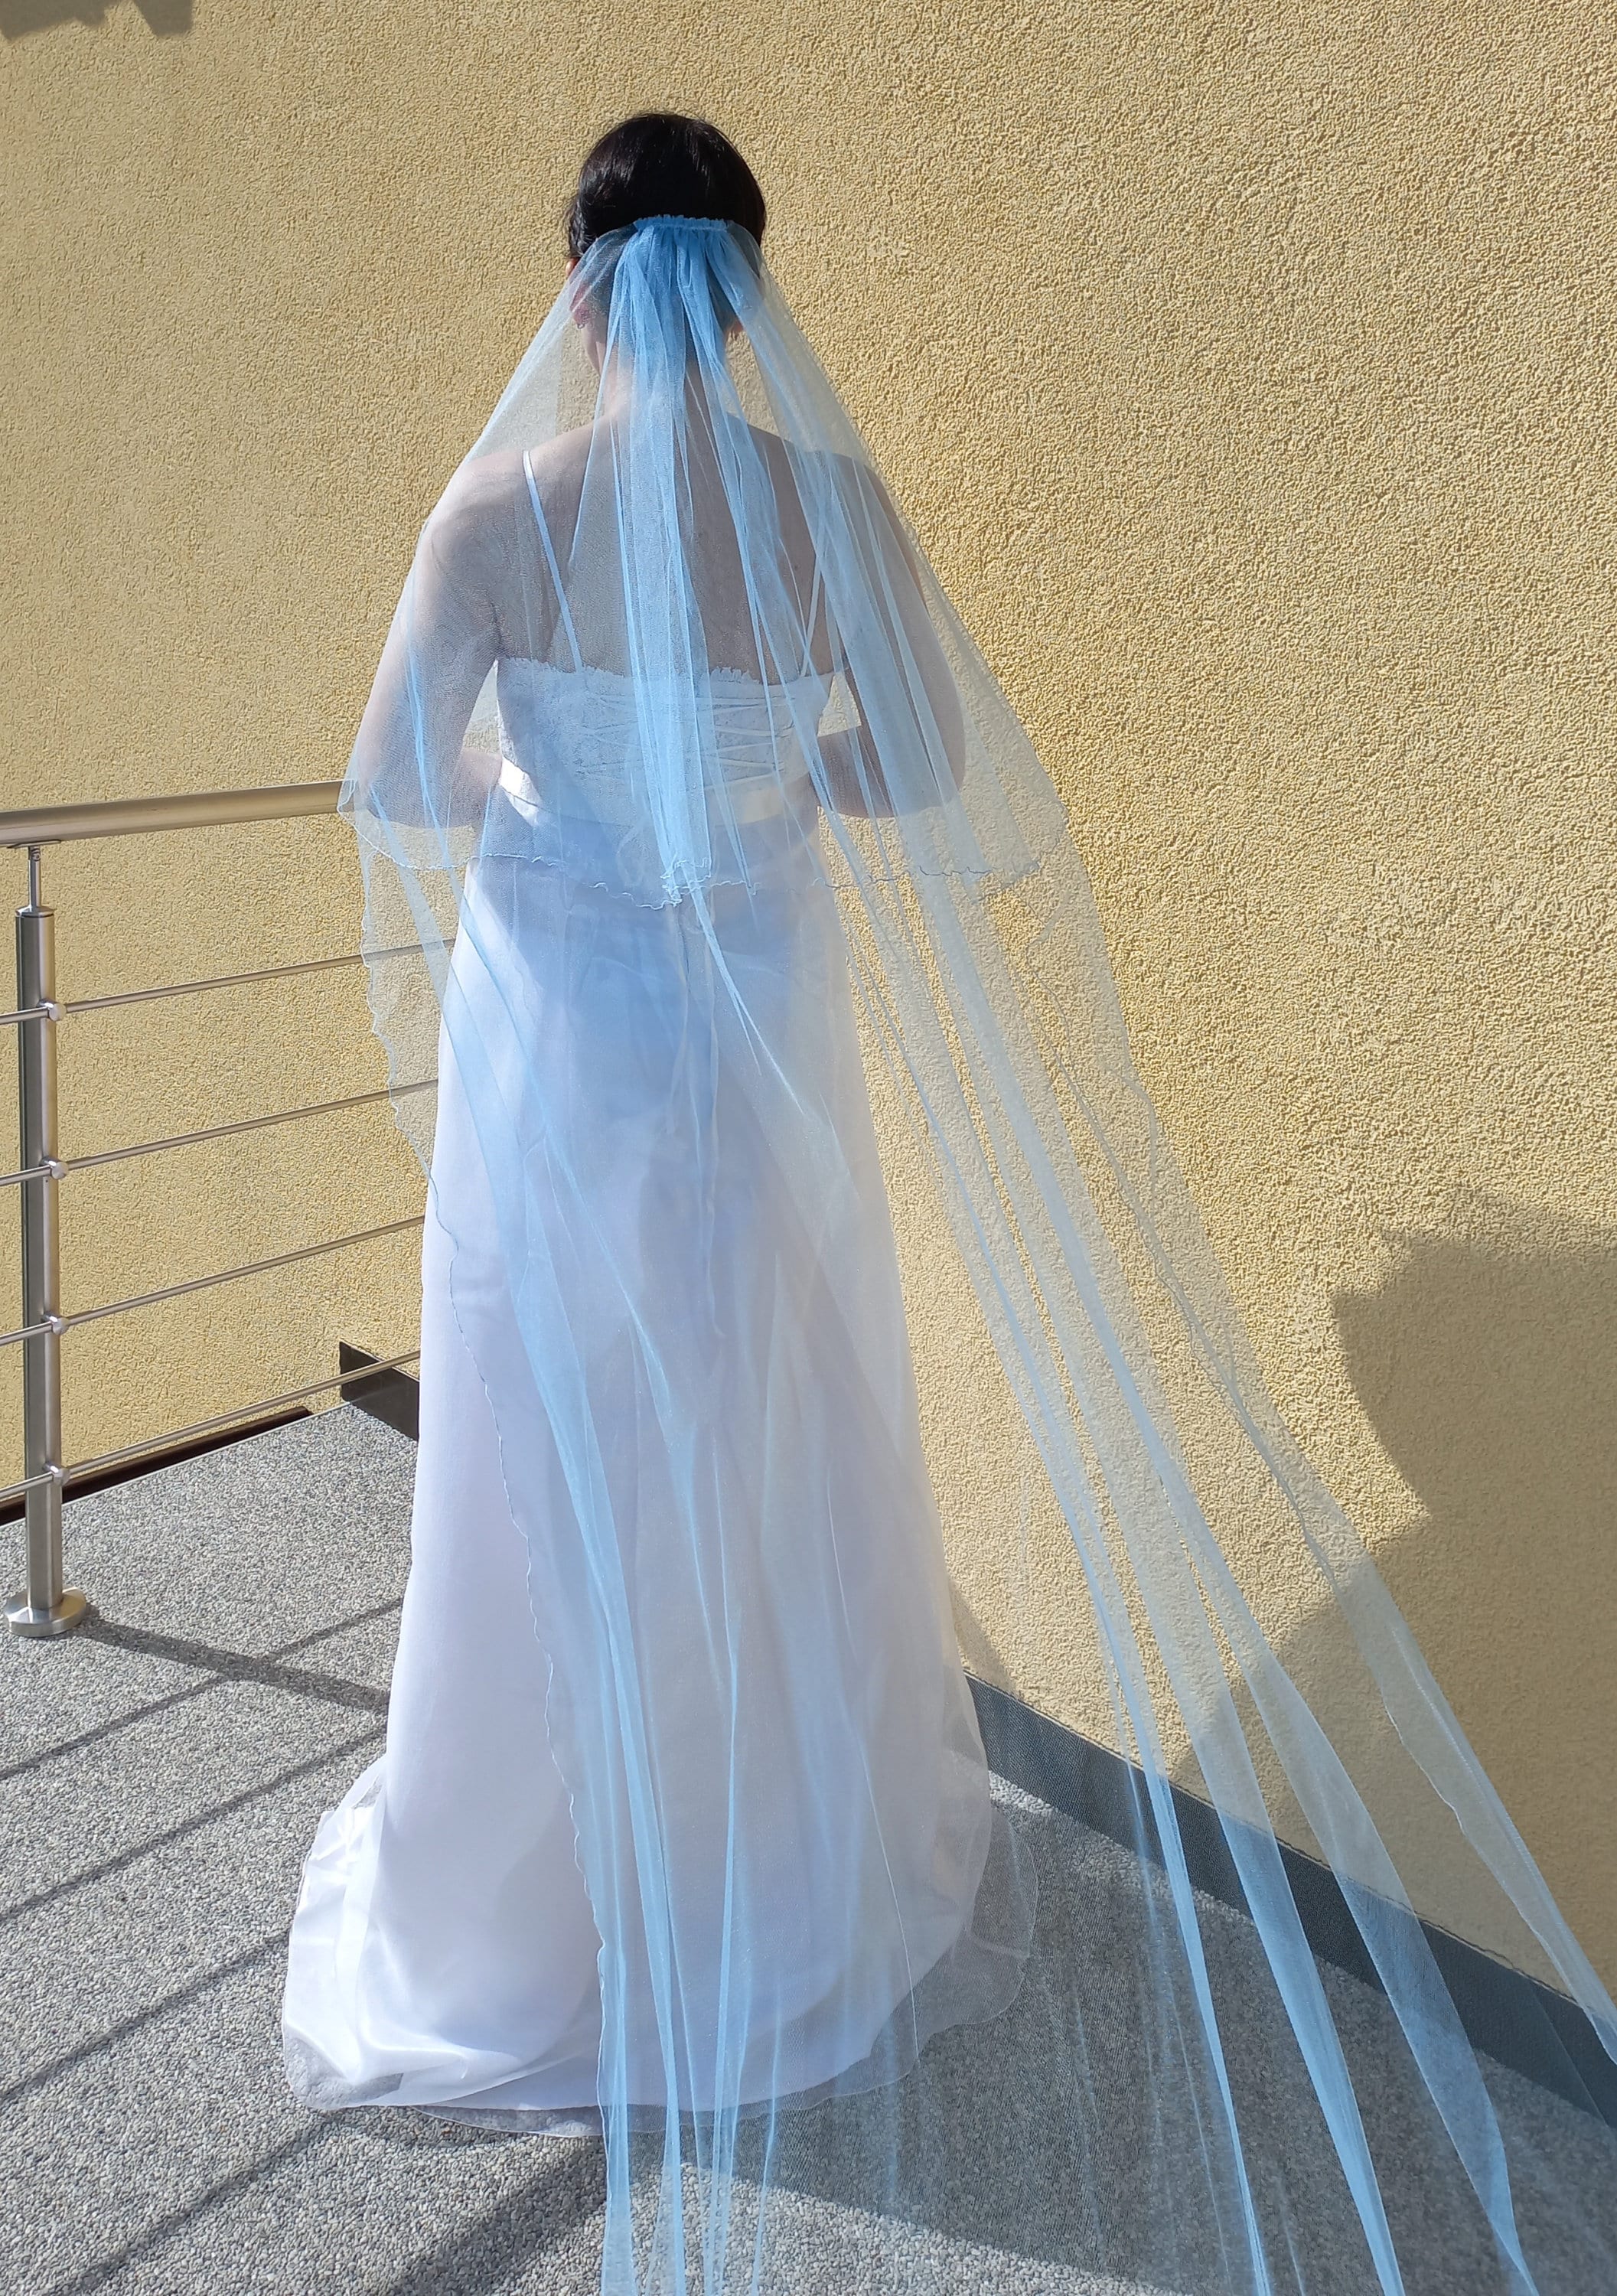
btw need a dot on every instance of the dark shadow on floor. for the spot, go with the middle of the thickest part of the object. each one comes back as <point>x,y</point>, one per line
<point>219,1666</point>
<point>104,2044</point>
<point>245,1666</point>
<point>1076,2142</point>
<point>1083,2129</point>
<point>167,19</point>
<point>187,1828</point>
<point>497,2248</point>
<point>125,2263</point>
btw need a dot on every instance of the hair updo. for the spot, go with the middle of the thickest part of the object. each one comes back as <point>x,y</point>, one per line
<point>662,163</point>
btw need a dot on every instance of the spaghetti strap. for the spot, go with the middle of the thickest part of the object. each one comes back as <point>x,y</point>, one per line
<point>550,558</point>
<point>817,599</point>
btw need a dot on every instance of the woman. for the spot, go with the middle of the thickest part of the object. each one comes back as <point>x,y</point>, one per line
<point>705,815</point>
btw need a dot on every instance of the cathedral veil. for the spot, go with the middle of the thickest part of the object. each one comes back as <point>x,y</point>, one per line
<point>796,862</point>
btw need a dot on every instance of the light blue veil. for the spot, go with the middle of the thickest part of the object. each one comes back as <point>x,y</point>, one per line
<point>716,882</point>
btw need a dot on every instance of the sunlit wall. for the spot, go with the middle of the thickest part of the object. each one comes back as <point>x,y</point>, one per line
<point>1246,370</point>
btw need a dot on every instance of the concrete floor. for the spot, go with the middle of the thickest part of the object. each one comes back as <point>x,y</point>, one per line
<point>160,1777</point>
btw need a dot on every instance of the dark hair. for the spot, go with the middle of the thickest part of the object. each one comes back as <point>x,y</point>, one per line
<point>662,163</point>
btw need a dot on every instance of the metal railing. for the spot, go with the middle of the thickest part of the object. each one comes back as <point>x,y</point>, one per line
<point>45,1605</point>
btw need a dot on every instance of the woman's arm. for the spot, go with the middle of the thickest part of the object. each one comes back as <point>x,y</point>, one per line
<point>409,754</point>
<point>928,697</point>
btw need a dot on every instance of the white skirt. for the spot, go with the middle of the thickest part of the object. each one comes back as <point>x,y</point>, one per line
<point>774,1803</point>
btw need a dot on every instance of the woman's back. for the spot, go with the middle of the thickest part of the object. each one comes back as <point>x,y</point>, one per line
<point>545,536</point>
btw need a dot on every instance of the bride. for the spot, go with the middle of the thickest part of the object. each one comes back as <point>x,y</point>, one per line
<point>692,823</point>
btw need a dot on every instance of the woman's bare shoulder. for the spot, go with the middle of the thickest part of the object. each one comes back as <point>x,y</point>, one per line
<point>794,467</point>
<point>559,465</point>
<point>488,482</point>
<point>476,508</point>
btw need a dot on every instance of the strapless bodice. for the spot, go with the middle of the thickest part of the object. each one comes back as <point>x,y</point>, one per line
<point>572,742</point>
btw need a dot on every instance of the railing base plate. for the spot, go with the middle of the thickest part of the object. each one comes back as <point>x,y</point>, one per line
<point>71,1612</point>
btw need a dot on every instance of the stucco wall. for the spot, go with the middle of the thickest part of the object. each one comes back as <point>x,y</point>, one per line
<point>1246,371</point>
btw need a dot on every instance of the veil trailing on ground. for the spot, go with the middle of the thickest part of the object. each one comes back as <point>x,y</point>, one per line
<point>712,874</point>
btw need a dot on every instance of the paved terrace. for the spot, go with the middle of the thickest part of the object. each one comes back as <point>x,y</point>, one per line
<point>162,1775</point>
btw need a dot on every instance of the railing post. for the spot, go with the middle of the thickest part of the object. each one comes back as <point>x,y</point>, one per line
<point>44,1606</point>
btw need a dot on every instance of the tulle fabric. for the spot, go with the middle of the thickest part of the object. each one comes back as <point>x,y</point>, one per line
<point>694,825</point>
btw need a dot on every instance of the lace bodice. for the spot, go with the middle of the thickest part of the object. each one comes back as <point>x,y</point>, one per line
<point>572,742</point>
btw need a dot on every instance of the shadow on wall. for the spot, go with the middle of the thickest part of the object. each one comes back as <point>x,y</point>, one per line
<point>1487,1362</point>
<point>18,18</point>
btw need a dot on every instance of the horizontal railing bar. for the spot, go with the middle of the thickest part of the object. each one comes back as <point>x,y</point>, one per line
<point>27,1332</point>
<point>29,1012</point>
<point>230,1274</point>
<point>85,1467</point>
<point>31,1172</point>
<point>211,1132</point>
<point>224,1131</point>
<point>130,816</point>
<point>29,1483</point>
<point>236,979</point>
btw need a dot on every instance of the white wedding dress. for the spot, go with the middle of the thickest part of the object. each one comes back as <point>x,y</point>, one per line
<point>714,1441</point>
<point>683,1809</point>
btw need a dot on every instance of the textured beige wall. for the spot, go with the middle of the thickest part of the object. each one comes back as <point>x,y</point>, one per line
<point>1246,369</point>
